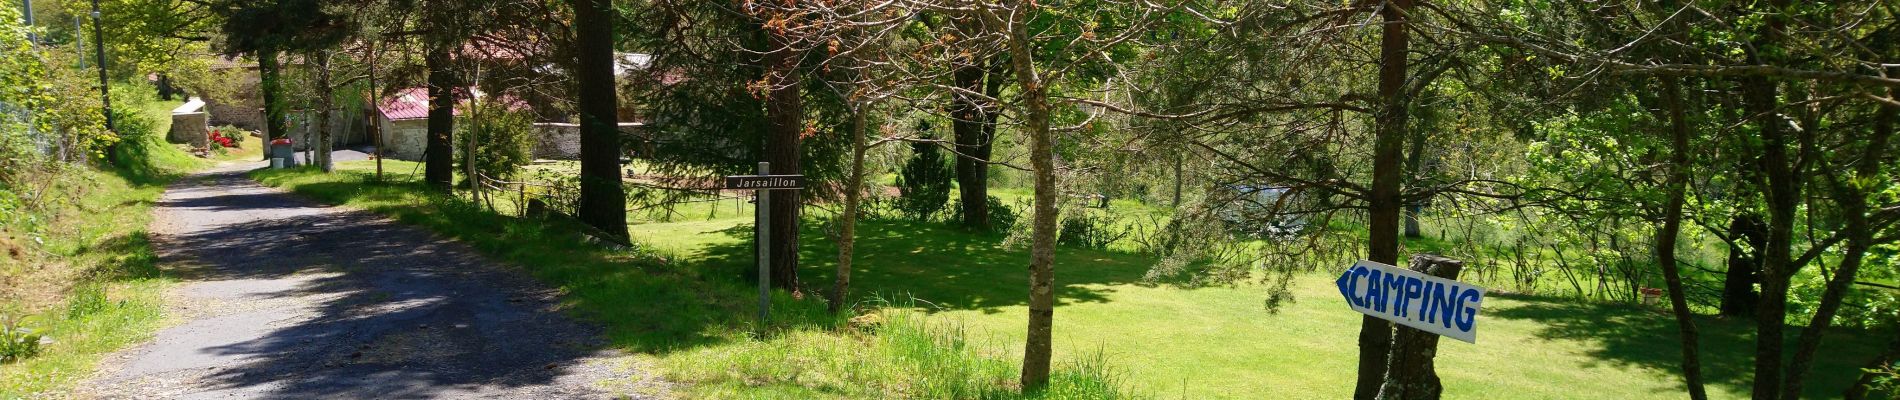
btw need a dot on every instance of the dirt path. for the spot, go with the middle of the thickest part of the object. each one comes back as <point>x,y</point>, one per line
<point>285,298</point>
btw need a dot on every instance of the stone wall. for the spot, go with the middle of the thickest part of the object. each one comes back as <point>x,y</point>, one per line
<point>562,141</point>
<point>189,128</point>
<point>189,124</point>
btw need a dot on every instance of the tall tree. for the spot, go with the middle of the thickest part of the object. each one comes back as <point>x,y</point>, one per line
<point>1383,201</point>
<point>603,204</point>
<point>973,121</point>
<point>268,29</point>
<point>439,152</point>
<point>784,141</point>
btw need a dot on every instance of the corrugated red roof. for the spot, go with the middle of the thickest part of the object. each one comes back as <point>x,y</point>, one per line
<point>407,104</point>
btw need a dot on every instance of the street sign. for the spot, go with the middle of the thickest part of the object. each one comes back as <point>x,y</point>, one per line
<point>1411,298</point>
<point>762,186</point>
<point>765,182</point>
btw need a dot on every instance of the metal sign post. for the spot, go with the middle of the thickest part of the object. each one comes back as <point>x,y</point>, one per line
<point>762,186</point>
<point>764,238</point>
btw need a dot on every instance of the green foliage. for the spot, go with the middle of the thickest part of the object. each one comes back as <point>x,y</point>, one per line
<point>1089,231</point>
<point>63,110</point>
<point>86,300</point>
<point>17,342</point>
<point>1886,378</point>
<point>924,183</point>
<point>1002,216</point>
<point>142,122</point>
<point>504,140</point>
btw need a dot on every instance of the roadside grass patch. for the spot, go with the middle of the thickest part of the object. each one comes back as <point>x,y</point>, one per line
<point>78,266</point>
<point>87,282</point>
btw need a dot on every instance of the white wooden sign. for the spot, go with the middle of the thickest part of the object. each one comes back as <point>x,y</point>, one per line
<point>1411,298</point>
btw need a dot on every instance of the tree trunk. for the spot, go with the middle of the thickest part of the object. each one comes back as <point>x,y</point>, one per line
<point>1849,194</point>
<point>1414,164</point>
<point>374,118</point>
<point>270,80</point>
<point>1783,193</point>
<point>785,112</point>
<point>1176,199</point>
<point>1410,373</point>
<point>603,204</point>
<point>848,230</point>
<point>1375,335</point>
<point>1666,238</point>
<point>324,103</point>
<point>968,117</point>
<point>439,157</point>
<point>1042,288</point>
<point>1744,268</point>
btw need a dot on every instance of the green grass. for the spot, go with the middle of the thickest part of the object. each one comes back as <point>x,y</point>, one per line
<point>102,291</point>
<point>87,277</point>
<point>684,301</point>
<point>681,310</point>
<point>1220,342</point>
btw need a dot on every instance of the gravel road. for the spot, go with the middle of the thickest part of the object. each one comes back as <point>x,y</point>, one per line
<point>281,297</point>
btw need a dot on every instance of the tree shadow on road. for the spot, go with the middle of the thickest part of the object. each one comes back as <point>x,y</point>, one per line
<point>347,304</point>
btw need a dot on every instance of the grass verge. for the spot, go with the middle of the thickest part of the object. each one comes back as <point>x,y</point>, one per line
<point>79,267</point>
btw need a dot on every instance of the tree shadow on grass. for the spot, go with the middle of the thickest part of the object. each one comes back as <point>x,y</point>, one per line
<point>1628,335</point>
<point>946,267</point>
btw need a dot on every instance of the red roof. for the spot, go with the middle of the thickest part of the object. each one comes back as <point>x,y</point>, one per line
<point>407,104</point>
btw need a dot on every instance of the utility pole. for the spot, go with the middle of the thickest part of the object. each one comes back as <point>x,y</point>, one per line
<point>30,36</point>
<point>99,48</point>
<point>32,128</point>
<point>79,34</point>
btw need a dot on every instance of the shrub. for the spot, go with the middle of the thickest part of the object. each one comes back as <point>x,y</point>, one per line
<point>503,140</point>
<point>1085,230</point>
<point>17,342</point>
<point>924,183</point>
<point>1002,216</point>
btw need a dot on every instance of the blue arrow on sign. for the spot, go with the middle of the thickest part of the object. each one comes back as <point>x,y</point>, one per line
<point>1428,303</point>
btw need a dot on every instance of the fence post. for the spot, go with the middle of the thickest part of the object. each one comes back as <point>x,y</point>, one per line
<point>1409,373</point>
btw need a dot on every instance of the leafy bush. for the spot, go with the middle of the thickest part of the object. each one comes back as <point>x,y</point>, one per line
<point>228,136</point>
<point>17,342</point>
<point>1002,217</point>
<point>503,138</point>
<point>924,183</point>
<point>1085,230</point>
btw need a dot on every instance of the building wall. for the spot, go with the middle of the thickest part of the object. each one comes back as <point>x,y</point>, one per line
<point>562,141</point>
<point>406,139</point>
<point>189,128</point>
<point>244,108</point>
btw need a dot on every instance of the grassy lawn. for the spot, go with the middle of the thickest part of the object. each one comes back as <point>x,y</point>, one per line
<point>82,267</point>
<point>684,302</point>
<point>1220,342</point>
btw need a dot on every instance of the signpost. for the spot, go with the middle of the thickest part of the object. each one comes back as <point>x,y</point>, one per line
<point>1428,303</point>
<point>762,186</point>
